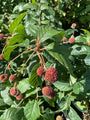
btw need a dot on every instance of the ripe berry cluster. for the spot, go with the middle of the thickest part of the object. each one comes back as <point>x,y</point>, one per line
<point>13,90</point>
<point>50,75</point>
<point>4,78</point>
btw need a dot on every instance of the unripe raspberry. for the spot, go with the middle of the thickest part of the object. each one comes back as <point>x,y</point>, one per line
<point>89,43</point>
<point>71,40</point>
<point>51,75</point>
<point>5,13</point>
<point>40,71</point>
<point>64,38</point>
<point>48,91</point>
<point>19,96</point>
<point>1,56</point>
<point>59,117</point>
<point>1,36</point>
<point>13,91</point>
<point>73,25</point>
<point>12,78</point>
<point>4,77</point>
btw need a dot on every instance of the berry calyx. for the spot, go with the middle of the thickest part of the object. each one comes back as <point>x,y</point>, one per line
<point>1,56</point>
<point>12,78</point>
<point>71,40</point>
<point>19,96</point>
<point>48,91</point>
<point>40,71</point>
<point>13,91</point>
<point>73,25</point>
<point>4,77</point>
<point>1,36</point>
<point>51,75</point>
<point>64,38</point>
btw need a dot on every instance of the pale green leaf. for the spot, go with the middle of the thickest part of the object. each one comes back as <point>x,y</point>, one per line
<point>14,24</point>
<point>31,110</point>
<point>73,114</point>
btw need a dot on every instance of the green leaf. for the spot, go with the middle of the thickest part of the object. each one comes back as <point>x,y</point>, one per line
<point>61,54</point>
<point>86,31</point>
<point>50,101</point>
<point>6,97</point>
<point>73,115</point>
<point>24,44</point>
<point>31,110</point>
<point>64,103</point>
<point>33,1</point>
<point>14,24</point>
<point>83,85</point>
<point>13,114</point>
<point>45,33</point>
<point>80,39</point>
<point>18,38</point>
<point>31,29</point>
<point>19,7</point>
<point>87,60</point>
<point>48,116</point>
<point>80,50</point>
<point>20,29</point>
<point>24,85</point>
<point>60,96</point>
<point>44,6</point>
<point>80,106</point>
<point>29,6</point>
<point>72,80</point>
<point>2,102</point>
<point>7,52</point>
<point>32,91</point>
<point>34,79</point>
<point>62,86</point>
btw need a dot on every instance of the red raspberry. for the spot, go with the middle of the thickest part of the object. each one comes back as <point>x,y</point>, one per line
<point>73,25</point>
<point>40,71</point>
<point>89,43</point>
<point>12,78</point>
<point>19,96</point>
<point>4,77</point>
<point>48,91</point>
<point>71,40</point>
<point>64,38</point>
<point>51,75</point>
<point>1,36</point>
<point>1,56</point>
<point>13,91</point>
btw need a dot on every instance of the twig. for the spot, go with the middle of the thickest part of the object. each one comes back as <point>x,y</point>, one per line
<point>19,103</point>
<point>14,59</point>
<point>25,64</point>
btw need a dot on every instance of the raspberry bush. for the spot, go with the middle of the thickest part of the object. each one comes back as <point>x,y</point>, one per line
<point>44,69</point>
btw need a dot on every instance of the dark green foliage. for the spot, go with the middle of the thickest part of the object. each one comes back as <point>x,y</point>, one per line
<point>35,30</point>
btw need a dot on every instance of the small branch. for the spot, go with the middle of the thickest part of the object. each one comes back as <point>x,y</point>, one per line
<point>43,62</point>
<point>19,103</point>
<point>9,70</point>
<point>14,59</point>
<point>3,49</point>
<point>25,64</point>
<point>40,58</point>
<point>42,49</point>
